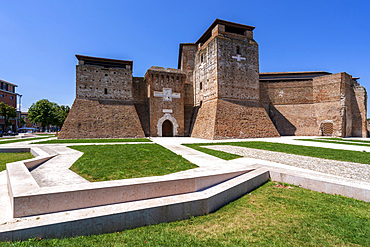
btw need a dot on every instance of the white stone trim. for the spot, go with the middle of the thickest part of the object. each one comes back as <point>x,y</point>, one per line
<point>167,111</point>
<point>239,58</point>
<point>165,117</point>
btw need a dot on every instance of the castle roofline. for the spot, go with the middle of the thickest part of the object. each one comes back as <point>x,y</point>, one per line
<point>168,70</point>
<point>14,85</point>
<point>294,72</point>
<point>291,76</point>
<point>229,24</point>
<point>104,62</point>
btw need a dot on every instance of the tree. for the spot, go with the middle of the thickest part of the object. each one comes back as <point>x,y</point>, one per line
<point>23,121</point>
<point>43,112</point>
<point>61,115</point>
<point>7,112</point>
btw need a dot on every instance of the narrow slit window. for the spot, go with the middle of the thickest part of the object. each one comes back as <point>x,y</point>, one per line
<point>105,91</point>
<point>238,50</point>
<point>201,86</point>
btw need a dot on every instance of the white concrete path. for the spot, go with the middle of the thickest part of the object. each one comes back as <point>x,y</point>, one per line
<point>56,171</point>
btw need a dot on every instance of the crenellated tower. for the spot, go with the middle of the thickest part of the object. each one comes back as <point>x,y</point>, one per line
<point>226,85</point>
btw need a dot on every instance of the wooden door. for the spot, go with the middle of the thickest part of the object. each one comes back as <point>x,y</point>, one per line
<point>167,128</point>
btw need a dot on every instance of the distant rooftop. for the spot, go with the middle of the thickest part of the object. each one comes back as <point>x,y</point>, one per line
<point>293,76</point>
<point>3,81</point>
<point>104,62</point>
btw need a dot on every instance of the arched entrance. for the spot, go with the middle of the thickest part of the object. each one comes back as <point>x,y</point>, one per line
<point>171,127</point>
<point>167,129</point>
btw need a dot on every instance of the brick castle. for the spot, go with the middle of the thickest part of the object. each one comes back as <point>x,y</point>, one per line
<point>217,92</point>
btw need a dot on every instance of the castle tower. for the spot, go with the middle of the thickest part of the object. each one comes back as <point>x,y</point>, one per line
<point>104,106</point>
<point>166,101</point>
<point>226,85</point>
<point>186,64</point>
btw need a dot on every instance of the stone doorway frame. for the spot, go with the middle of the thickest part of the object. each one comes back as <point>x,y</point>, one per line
<point>167,116</point>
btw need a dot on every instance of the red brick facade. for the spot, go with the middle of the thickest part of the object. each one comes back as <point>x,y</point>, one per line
<point>9,97</point>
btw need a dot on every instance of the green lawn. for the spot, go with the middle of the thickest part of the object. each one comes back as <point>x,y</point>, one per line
<point>22,140</point>
<point>325,153</point>
<point>216,153</point>
<point>6,138</point>
<point>12,157</point>
<point>50,135</point>
<point>93,141</point>
<point>339,141</point>
<point>346,139</point>
<point>112,162</point>
<point>272,215</point>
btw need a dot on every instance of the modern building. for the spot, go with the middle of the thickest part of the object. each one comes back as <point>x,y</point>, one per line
<point>9,96</point>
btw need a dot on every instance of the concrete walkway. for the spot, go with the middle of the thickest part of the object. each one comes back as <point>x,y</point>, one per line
<point>55,172</point>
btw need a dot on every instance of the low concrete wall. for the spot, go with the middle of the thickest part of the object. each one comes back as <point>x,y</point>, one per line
<point>129,215</point>
<point>15,150</point>
<point>328,184</point>
<point>35,200</point>
<point>19,179</point>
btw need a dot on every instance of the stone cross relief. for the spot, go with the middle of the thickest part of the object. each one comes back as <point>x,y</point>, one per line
<point>167,94</point>
<point>239,58</point>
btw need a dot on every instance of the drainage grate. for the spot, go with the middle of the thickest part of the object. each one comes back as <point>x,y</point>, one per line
<point>327,129</point>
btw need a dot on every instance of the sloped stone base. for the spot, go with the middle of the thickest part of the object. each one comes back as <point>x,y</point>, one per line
<point>223,119</point>
<point>101,119</point>
<point>204,125</point>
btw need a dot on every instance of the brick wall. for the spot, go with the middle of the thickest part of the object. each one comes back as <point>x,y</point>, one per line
<point>294,119</point>
<point>359,109</point>
<point>302,107</point>
<point>204,124</point>
<point>205,72</point>
<point>139,90</point>
<point>8,98</point>
<point>94,82</point>
<point>237,79</point>
<point>101,119</point>
<point>242,119</point>
<point>290,92</point>
<point>186,64</point>
<point>159,78</point>
<point>104,106</point>
<point>223,119</point>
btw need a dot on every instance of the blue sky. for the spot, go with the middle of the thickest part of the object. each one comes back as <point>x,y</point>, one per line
<point>39,39</point>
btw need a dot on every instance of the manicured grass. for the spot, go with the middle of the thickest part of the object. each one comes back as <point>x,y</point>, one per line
<point>50,135</point>
<point>112,162</point>
<point>93,141</point>
<point>216,153</point>
<point>23,140</point>
<point>345,139</point>
<point>6,138</point>
<point>324,153</point>
<point>272,215</point>
<point>12,157</point>
<point>327,140</point>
